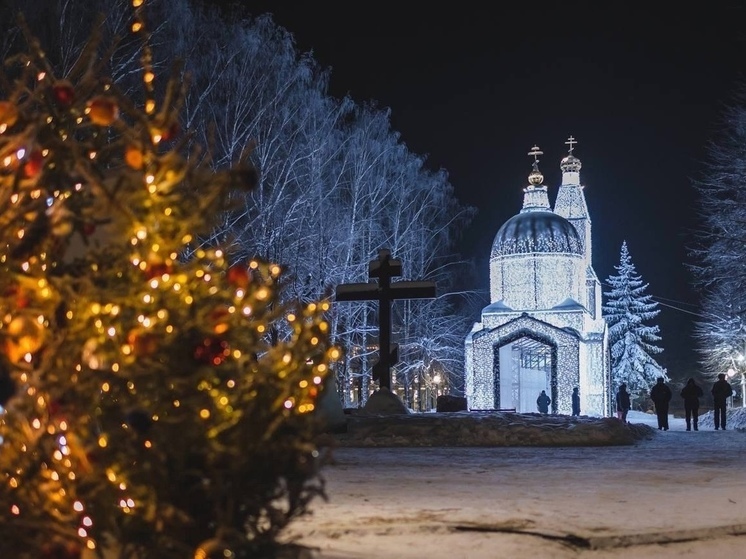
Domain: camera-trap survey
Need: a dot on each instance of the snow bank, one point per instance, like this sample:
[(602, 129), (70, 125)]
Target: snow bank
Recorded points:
[(487, 429), (735, 419)]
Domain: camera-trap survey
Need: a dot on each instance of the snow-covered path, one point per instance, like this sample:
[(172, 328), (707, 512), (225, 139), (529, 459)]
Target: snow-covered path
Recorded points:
[(589, 502)]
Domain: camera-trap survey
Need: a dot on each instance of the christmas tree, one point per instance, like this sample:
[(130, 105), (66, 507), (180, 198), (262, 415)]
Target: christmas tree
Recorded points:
[(627, 311), (156, 397)]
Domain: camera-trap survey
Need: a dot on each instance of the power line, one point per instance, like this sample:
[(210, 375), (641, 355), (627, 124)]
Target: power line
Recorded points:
[(660, 300)]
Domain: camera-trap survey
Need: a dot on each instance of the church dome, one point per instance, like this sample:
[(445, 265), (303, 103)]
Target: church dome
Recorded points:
[(536, 231), (570, 163)]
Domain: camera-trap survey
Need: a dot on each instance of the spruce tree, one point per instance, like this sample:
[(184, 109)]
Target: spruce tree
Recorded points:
[(628, 312), (144, 408)]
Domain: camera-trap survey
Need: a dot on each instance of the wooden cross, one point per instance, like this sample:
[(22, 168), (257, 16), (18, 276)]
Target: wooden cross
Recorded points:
[(385, 292)]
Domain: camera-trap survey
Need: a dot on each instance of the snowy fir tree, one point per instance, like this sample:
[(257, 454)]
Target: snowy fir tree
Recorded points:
[(145, 411), (627, 311)]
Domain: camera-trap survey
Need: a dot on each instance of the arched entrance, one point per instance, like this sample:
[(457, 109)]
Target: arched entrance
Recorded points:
[(524, 364)]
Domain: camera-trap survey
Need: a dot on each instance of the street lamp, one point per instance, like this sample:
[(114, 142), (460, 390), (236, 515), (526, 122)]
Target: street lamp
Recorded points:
[(436, 383), (731, 373)]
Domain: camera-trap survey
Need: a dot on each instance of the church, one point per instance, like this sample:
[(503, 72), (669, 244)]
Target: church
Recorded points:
[(543, 328)]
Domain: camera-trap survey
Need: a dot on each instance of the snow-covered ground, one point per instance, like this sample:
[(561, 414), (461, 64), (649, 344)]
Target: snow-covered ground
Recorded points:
[(674, 494), (735, 419)]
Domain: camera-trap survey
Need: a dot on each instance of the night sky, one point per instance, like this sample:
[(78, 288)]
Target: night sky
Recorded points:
[(474, 85)]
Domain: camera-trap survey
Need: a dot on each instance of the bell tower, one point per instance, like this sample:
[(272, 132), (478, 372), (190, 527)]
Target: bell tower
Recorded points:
[(571, 205)]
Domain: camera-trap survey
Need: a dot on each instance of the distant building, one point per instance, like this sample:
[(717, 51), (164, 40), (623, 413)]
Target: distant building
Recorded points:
[(543, 328)]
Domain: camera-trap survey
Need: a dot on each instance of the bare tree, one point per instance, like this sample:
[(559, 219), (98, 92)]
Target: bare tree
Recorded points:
[(719, 253), (336, 182), (336, 185)]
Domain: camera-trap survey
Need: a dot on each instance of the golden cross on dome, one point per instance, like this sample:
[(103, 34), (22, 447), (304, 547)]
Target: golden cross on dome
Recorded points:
[(570, 141), (536, 152)]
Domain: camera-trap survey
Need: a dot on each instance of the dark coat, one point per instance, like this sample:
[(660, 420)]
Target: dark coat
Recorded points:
[(691, 393), (622, 401), (721, 391), (575, 403), (660, 393), (542, 402)]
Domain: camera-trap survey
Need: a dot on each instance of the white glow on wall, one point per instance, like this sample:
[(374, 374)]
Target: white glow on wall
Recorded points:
[(543, 288)]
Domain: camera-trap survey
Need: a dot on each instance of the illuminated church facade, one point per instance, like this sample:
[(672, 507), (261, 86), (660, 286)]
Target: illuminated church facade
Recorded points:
[(543, 328)]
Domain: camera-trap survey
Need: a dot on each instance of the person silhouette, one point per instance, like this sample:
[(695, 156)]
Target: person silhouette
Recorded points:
[(691, 393), (543, 401), (622, 402), (721, 391), (661, 396), (575, 401)]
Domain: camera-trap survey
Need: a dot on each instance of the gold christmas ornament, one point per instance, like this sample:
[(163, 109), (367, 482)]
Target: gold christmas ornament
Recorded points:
[(96, 355), (215, 548), (102, 111), (133, 157), (25, 335)]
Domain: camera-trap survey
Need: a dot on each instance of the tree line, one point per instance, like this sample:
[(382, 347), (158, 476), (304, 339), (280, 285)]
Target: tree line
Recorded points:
[(336, 183)]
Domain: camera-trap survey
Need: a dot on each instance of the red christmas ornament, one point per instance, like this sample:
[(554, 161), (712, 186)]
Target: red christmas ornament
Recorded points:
[(170, 133), (143, 343), (64, 93), (19, 295), (238, 275), (157, 270), (33, 164), (89, 229), (54, 407)]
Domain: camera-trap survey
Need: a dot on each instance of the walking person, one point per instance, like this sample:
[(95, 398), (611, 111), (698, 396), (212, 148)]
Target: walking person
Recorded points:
[(721, 391), (622, 402), (691, 393), (543, 401), (661, 396), (575, 401)]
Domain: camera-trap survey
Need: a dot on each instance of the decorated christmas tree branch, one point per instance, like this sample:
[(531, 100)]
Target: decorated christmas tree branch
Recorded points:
[(147, 408)]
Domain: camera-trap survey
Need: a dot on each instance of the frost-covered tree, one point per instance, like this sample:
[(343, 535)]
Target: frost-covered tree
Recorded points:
[(337, 183), (628, 312), (719, 263)]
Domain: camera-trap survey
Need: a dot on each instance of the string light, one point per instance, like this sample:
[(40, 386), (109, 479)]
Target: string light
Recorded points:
[(542, 287), (112, 317)]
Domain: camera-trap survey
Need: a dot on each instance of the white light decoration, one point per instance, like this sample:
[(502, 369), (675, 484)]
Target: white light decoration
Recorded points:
[(543, 328)]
